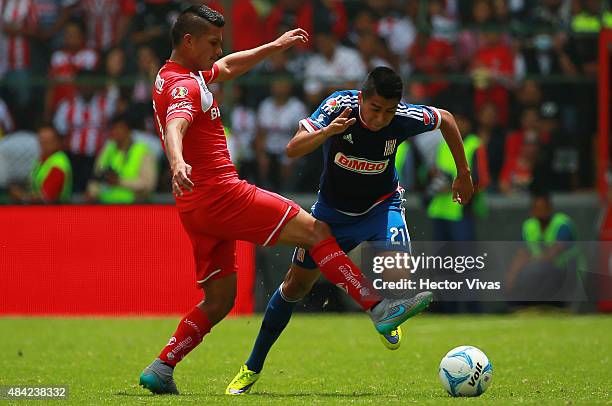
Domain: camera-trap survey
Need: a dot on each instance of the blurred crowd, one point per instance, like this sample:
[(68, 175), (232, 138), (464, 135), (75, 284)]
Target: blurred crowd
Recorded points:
[(76, 78)]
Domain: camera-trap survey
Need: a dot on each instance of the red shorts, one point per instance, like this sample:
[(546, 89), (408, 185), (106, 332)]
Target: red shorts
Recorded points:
[(239, 211)]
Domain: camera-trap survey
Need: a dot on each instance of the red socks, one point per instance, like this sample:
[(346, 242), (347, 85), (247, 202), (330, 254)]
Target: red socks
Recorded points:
[(333, 263), (189, 333), (341, 271)]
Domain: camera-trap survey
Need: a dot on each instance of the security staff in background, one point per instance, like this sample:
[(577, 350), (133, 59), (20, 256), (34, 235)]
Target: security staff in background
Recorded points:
[(125, 171), (451, 221), (51, 176), (550, 264)]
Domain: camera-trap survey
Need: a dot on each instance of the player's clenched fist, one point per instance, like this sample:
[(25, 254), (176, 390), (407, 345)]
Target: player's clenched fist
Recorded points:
[(291, 38), (463, 188), (340, 123), (181, 172)]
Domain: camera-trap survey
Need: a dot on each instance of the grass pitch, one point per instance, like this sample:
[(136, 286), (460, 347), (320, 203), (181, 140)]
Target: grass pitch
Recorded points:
[(331, 359)]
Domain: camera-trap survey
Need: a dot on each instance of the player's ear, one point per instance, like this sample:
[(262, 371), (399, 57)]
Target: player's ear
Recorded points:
[(188, 40)]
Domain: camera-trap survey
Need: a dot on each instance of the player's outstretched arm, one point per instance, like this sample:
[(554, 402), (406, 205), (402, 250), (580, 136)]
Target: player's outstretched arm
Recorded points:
[(304, 142), (181, 171), (241, 62), (463, 188)]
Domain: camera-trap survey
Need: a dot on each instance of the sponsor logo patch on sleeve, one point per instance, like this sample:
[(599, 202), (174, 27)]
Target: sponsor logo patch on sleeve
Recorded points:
[(159, 84), (179, 92), (333, 105), (426, 117)]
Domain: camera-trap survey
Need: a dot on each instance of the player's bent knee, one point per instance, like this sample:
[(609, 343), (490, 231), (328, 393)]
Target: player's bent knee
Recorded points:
[(321, 231), (304, 231)]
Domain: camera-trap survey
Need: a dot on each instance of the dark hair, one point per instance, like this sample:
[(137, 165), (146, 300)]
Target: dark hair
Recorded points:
[(80, 24), (86, 73), (89, 77), (384, 82), (44, 125), (283, 75), (193, 21), (130, 118), (538, 191)]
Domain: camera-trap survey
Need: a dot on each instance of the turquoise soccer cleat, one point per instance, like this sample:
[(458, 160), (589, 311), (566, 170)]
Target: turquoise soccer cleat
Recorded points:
[(157, 378), (390, 313)]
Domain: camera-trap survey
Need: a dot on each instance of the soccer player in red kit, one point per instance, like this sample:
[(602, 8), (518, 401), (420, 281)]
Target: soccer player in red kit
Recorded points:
[(217, 208)]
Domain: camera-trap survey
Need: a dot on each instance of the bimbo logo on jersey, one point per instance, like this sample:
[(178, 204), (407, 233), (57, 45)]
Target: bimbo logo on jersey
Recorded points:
[(360, 165)]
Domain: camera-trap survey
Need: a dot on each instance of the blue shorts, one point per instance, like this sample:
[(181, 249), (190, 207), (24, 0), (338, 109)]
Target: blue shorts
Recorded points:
[(385, 222)]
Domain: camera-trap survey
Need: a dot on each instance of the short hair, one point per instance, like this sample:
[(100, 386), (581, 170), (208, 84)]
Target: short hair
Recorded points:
[(283, 75), (539, 192), (88, 76), (46, 125), (80, 24), (129, 118), (120, 118), (384, 82), (194, 21)]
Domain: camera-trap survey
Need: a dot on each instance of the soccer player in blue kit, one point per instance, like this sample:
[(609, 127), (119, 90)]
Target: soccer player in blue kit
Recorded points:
[(359, 195)]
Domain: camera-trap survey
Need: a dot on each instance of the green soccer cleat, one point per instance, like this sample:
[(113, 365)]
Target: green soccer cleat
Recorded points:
[(390, 313), (242, 382), (393, 340), (157, 378)]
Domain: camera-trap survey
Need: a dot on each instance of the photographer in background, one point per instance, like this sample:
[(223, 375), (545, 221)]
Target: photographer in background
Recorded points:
[(125, 171)]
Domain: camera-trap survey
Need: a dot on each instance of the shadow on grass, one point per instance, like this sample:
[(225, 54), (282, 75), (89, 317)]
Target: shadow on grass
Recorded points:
[(323, 395), (258, 395)]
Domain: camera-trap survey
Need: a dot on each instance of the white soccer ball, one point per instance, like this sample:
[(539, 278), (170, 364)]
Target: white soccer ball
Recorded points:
[(465, 371)]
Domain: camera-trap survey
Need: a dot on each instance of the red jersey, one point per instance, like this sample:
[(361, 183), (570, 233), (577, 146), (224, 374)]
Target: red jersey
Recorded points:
[(180, 93), (102, 18), (498, 59), (64, 67), (15, 49)]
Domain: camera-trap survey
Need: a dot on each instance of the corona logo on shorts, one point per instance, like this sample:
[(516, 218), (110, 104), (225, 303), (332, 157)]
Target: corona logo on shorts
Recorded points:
[(360, 165)]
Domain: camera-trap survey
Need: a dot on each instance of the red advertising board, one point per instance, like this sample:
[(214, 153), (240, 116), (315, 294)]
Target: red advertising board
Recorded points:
[(103, 260)]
